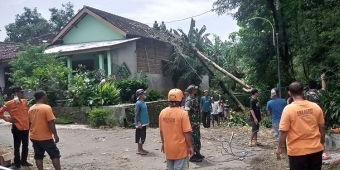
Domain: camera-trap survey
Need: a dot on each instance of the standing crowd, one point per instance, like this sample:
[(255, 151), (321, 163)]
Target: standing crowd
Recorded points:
[(298, 125), (35, 123)]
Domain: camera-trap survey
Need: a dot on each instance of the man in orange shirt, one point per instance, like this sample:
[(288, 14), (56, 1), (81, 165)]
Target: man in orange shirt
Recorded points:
[(175, 132), (17, 110), (42, 131), (302, 127)]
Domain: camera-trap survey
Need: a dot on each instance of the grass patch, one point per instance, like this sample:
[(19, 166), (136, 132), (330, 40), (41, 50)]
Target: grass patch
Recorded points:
[(63, 120)]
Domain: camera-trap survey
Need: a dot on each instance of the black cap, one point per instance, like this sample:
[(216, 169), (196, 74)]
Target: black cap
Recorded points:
[(253, 91), (17, 89)]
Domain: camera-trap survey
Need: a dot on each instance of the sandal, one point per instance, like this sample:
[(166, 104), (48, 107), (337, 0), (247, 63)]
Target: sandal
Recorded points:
[(326, 156), (250, 144), (141, 153)]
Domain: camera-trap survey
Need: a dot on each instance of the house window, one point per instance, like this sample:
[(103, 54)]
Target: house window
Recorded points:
[(88, 64)]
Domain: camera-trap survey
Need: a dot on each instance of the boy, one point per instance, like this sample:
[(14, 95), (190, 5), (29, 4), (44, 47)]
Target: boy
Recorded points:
[(175, 132), (255, 116)]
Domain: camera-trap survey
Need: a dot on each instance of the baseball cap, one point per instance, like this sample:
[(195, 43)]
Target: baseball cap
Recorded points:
[(140, 92), (272, 93)]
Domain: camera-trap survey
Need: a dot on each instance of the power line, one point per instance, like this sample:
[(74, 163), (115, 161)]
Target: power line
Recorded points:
[(177, 20), (193, 16)]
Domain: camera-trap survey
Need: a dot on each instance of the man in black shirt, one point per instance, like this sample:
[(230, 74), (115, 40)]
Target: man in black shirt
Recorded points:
[(255, 116)]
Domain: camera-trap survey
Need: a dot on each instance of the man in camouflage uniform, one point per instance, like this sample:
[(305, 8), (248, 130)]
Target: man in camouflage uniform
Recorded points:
[(313, 94), (192, 105)]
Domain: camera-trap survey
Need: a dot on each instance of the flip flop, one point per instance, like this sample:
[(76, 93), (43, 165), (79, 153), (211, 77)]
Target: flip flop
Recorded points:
[(141, 153), (145, 151), (251, 144), (326, 156)]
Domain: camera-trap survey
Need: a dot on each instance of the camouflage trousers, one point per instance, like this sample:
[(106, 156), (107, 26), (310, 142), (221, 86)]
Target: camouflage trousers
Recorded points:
[(196, 138)]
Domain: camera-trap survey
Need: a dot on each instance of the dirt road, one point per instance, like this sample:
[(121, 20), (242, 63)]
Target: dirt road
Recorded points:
[(114, 149)]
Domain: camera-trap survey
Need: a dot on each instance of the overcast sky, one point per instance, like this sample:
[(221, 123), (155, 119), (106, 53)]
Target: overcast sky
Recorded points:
[(145, 11)]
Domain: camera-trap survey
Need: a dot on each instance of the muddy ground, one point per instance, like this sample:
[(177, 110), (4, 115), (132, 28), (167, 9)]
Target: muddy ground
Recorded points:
[(114, 149)]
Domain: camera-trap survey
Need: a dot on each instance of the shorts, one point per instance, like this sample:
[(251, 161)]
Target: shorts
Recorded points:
[(45, 145), (141, 135), (221, 114), (179, 164), (255, 127), (306, 162)]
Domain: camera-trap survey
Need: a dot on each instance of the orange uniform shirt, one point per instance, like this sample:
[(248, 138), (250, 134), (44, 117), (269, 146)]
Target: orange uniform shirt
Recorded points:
[(302, 119), (39, 116), (173, 123), (18, 111)]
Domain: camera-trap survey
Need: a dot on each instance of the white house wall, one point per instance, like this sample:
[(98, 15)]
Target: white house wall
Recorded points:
[(126, 54)]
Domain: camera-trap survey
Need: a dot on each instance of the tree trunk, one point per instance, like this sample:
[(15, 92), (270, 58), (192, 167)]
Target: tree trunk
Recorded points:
[(231, 93), (281, 28), (217, 67)]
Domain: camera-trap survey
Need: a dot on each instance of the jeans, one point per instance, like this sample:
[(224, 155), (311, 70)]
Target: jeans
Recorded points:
[(206, 119), (20, 137), (275, 126)]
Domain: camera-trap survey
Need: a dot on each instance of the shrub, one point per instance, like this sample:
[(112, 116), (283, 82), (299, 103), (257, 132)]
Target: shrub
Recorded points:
[(128, 88), (107, 94), (83, 87), (237, 119), (102, 117), (266, 121), (63, 120), (153, 95), (97, 117), (331, 108), (33, 69), (111, 120), (130, 117)]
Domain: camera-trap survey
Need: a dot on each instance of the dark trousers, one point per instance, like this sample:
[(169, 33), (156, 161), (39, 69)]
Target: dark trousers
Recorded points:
[(306, 162), (206, 119), (20, 137)]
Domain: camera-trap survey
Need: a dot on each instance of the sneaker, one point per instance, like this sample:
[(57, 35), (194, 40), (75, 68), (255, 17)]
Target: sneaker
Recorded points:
[(26, 164)]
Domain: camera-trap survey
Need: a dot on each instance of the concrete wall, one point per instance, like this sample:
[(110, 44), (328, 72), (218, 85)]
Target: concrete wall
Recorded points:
[(2, 75), (89, 29), (126, 53), (123, 112), (160, 83)]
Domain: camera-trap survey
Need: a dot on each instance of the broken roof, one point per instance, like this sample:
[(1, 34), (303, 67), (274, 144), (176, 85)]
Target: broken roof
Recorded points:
[(8, 50)]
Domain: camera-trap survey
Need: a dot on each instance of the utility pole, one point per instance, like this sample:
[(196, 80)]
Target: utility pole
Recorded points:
[(275, 37)]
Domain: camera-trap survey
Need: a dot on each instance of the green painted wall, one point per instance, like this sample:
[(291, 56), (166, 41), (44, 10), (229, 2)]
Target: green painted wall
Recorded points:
[(90, 29)]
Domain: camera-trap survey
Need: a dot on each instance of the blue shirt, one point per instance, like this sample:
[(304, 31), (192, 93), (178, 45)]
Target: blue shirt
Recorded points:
[(141, 113), (206, 103), (275, 106)]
